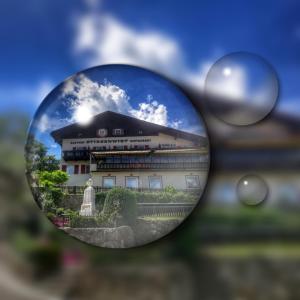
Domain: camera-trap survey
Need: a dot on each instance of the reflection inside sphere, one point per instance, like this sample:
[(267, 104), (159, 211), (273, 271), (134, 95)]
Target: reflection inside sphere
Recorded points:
[(110, 156)]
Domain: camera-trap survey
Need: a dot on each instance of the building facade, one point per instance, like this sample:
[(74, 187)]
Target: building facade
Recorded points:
[(118, 150)]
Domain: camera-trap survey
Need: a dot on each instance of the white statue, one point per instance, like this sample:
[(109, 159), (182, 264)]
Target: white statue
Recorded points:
[(88, 205)]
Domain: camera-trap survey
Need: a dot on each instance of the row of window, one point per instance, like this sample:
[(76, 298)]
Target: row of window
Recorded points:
[(116, 132), (101, 148), (76, 169), (102, 132), (155, 182)]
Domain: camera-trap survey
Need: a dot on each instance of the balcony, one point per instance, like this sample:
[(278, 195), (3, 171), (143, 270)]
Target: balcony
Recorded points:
[(76, 155), (152, 162), (152, 166)]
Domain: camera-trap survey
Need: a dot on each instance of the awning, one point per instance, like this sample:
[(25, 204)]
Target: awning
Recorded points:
[(145, 152), (182, 151)]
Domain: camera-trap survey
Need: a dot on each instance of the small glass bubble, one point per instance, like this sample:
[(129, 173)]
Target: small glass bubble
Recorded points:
[(252, 190), (242, 88)]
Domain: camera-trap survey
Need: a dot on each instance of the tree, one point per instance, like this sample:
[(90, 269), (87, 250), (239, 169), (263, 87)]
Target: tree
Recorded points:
[(37, 157), (52, 178), (50, 191)]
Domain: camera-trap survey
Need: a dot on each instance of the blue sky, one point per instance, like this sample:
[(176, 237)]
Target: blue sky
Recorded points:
[(43, 42)]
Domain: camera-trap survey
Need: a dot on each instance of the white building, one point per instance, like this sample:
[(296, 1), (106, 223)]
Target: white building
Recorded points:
[(118, 150)]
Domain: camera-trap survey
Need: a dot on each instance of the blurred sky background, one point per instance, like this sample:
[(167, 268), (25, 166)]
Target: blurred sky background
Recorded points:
[(43, 42)]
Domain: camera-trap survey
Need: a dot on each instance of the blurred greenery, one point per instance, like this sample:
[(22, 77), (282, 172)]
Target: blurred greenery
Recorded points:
[(26, 231), (248, 217)]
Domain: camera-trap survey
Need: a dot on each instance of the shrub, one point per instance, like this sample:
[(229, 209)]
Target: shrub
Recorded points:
[(121, 202), (169, 195), (170, 190), (100, 200), (50, 215)]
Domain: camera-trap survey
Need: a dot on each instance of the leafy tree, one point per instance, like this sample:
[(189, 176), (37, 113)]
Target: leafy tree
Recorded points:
[(52, 178), (37, 157), (51, 193)]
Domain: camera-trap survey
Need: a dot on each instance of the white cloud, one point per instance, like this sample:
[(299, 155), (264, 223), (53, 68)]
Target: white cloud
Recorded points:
[(152, 112), (46, 123), (86, 98), (106, 40)]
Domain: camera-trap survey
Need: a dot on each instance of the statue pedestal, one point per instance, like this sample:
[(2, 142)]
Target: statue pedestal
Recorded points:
[(87, 210), (88, 205)]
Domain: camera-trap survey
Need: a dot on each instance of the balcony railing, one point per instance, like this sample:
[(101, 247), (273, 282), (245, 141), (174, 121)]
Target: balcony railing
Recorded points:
[(153, 166), (76, 155)]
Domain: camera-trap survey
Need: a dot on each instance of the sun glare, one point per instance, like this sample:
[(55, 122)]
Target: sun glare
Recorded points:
[(83, 115), (227, 72)]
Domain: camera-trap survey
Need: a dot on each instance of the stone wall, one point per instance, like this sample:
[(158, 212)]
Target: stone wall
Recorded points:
[(119, 237), (147, 231), (143, 232)]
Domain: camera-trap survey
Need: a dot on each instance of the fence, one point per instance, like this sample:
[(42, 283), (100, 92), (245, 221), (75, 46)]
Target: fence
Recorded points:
[(77, 190), (164, 209)]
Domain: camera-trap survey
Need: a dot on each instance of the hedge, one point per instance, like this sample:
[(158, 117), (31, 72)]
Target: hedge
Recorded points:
[(121, 203)]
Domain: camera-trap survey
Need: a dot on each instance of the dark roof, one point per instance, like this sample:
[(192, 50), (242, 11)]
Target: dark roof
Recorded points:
[(111, 120)]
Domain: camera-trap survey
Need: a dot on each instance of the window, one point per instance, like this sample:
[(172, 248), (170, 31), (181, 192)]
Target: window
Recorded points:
[(64, 168), (155, 182), (87, 169), (140, 132), (76, 169), (109, 182), (132, 182), (192, 181), (83, 170), (70, 169), (102, 132), (118, 131)]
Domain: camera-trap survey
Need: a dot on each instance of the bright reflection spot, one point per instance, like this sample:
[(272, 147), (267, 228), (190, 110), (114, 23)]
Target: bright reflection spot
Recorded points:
[(226, 72), (83, 115), (245, 182)]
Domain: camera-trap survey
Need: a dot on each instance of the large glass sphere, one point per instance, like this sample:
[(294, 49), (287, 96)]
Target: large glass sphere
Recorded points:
[(117, 156)]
